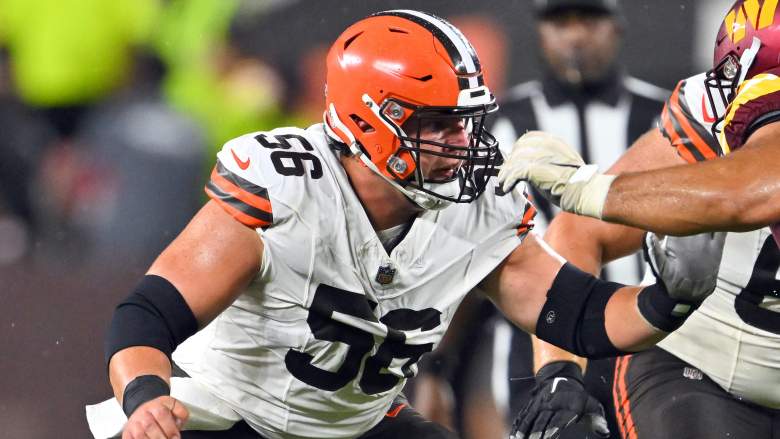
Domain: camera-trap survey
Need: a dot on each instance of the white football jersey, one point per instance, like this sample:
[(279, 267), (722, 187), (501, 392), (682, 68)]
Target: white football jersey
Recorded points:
[(734, 336), (687, 120), (325, 336)]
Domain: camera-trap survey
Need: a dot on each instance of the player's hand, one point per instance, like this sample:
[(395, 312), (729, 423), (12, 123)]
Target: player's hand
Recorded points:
[(686, 265), (559, 173), (558, 400), (160, 418)]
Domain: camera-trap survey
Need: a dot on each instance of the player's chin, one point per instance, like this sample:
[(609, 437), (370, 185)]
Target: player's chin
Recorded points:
[(441, 177), (444, 174)]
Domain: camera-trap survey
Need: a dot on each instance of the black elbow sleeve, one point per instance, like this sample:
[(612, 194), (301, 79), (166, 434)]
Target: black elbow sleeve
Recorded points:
[(155, 314), (573, 315)]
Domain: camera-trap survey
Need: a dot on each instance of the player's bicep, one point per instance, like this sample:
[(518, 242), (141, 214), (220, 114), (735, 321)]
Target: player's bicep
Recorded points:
[(519, 285), (211, 261)]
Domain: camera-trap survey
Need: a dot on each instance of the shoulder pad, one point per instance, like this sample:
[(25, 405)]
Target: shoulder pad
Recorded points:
[(756, 97), (686, 121), (250, 166)]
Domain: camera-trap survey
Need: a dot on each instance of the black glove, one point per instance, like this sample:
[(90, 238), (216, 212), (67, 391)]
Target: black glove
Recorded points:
[(558, 400)]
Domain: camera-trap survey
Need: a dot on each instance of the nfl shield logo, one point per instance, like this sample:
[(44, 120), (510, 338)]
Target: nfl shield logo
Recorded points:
[(385, 274), (693, 374)]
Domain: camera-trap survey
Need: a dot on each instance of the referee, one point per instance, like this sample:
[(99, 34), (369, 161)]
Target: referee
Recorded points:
[(586, 98)]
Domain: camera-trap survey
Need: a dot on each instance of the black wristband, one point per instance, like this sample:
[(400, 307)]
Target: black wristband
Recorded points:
[(567, 369), (662, 311), (142, 389)]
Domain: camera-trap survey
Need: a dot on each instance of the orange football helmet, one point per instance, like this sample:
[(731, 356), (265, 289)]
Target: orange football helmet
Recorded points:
[(401, 65)]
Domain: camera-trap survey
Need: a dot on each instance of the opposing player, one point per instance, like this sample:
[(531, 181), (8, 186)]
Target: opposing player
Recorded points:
[(330, 259), (737, 192), (711, 377)]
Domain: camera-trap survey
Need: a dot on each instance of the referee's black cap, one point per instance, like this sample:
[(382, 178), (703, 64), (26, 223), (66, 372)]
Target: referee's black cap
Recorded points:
[(547, 8)]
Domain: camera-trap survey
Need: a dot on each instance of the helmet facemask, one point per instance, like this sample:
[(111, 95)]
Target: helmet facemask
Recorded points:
[(477, 159), (721, 83), (725, 78)]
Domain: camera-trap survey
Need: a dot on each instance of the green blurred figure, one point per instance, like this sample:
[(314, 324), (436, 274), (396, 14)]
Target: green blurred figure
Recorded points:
[(227, 91), (71, 52)]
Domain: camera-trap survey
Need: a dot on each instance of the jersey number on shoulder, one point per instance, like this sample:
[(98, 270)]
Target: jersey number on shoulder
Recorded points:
[(291, 162), (762, 283), (330, 311)]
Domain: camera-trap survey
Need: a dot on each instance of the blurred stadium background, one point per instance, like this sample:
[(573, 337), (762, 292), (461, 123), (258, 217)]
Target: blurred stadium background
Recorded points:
[(111, 113)]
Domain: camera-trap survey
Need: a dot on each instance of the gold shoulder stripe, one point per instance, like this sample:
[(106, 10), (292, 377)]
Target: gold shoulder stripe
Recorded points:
[(757, 86)]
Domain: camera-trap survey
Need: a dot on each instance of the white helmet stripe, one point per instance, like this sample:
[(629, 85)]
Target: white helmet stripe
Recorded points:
[(460, 50)]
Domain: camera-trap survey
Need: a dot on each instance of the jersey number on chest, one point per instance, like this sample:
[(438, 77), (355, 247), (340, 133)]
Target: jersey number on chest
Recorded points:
[(336, 315)]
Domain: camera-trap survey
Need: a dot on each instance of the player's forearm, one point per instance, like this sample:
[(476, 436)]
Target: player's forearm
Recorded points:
[(605, 328), (678, 206), (597, 319), (587, 243), (682, 207), (135, 361), (738, 192), (584, 252), (545, 353), (626, 327)]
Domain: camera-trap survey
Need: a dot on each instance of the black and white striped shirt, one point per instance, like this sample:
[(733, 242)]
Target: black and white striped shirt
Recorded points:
[(600, 122)]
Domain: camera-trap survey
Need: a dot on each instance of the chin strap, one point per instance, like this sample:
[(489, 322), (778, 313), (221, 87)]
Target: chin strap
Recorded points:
[(747, 58), (425, 201)]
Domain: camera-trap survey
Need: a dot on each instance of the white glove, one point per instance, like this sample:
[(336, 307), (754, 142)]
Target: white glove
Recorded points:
[(559, 173), (687, 265)]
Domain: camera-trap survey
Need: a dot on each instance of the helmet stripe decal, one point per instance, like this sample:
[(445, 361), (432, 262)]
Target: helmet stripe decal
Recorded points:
[(461, 52)]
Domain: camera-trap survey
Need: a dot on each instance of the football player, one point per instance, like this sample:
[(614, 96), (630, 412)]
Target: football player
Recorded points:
[(330, 259), (737, 192), (711, 377)]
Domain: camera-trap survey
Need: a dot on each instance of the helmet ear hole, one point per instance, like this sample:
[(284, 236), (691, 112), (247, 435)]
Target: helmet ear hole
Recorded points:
[(362, 124)]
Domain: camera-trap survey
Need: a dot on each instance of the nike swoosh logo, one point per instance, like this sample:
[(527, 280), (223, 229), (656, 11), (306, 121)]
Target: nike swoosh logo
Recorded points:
[(704, 113), (555, 383), (243, 164)]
